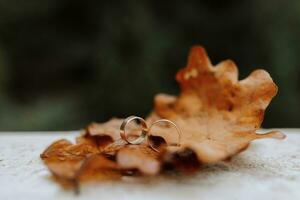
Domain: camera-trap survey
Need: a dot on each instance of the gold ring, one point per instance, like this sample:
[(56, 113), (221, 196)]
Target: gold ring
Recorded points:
[(143, 135), (170, 122)]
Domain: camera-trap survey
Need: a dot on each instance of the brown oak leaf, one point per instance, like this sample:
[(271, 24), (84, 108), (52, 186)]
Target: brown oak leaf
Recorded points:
[(69, 163), (218, 114)]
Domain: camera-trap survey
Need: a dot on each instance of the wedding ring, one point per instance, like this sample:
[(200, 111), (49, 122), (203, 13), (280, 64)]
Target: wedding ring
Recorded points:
[(165, 121), (143, 134)]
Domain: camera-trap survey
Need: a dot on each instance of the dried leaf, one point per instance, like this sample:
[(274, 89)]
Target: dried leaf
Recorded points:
[(218, 114), (63, 160), (68, 162)]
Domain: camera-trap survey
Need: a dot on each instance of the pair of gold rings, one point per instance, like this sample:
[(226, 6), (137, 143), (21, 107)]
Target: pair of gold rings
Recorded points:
[(145, 130)]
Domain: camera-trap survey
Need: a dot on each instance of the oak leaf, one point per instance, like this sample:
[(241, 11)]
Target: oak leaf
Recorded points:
[(218, 115)]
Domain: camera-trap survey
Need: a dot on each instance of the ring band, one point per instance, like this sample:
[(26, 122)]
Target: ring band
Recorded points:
[(144, 133), (170, 122)]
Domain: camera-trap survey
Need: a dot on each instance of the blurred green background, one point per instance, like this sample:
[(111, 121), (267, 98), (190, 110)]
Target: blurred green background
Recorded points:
[(64, 63)]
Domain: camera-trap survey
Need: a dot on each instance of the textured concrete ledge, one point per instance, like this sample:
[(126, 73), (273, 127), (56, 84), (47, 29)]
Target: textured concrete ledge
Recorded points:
[(269, 169)]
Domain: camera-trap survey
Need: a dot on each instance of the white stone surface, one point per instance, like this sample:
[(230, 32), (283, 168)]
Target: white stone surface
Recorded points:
[(269, 169)]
